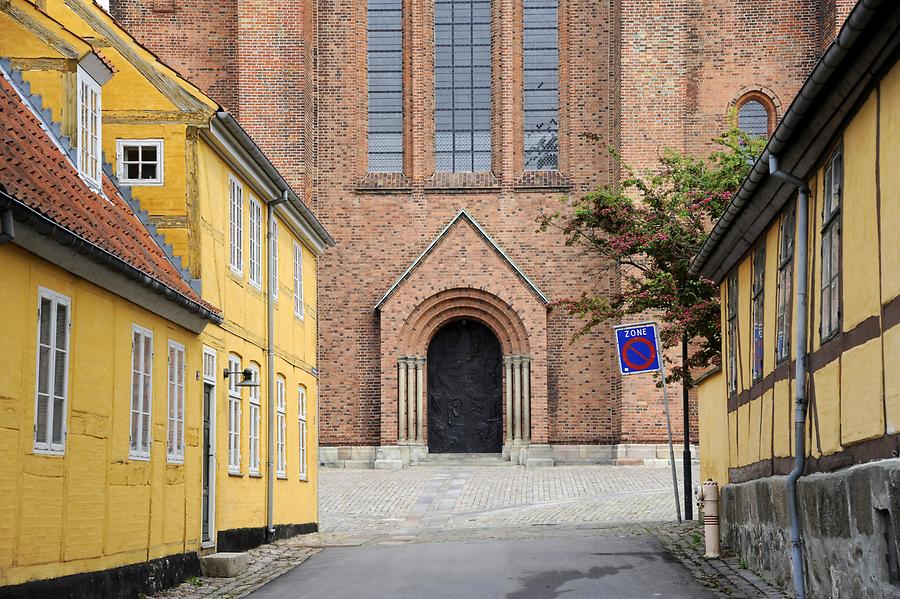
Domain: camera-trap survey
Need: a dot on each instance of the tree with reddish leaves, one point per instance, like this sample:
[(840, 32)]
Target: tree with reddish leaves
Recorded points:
[(648, 228)]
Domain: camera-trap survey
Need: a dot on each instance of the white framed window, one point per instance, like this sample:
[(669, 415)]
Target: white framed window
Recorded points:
[(301, 411), (784, 293), (254, 421), (141, 392), (90, 129), (274, 277), (731, 332), (831, 248), (255, 261), (280, 426), (234, 415), (139, 161), (236, 224), (298, 280), (52, 384), (175, 429)]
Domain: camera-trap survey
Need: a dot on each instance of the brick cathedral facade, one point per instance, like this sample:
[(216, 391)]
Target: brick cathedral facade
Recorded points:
[(428, 245)]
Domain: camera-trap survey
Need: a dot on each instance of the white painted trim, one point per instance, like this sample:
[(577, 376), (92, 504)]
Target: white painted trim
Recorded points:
[(160, 165), (84, 79), (137, 454), (236, 268), (56, 298), (211, 464), (176, 457)]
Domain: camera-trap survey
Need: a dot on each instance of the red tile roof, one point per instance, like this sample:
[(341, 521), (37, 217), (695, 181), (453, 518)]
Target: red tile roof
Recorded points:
[(35, 172)]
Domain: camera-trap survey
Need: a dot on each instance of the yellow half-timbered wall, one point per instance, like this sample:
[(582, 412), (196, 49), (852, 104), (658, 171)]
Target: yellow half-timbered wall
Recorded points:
[(92, 507), (855, 380)]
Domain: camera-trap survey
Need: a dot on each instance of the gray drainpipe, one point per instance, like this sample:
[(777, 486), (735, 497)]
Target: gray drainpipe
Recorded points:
[(800, 374), (270, 362)]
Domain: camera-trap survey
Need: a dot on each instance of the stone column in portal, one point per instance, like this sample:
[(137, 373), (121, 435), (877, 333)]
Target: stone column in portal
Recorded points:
[(507, 368), (526, 400), (411, 399), (401, 399), (420, 400), (517, 399)]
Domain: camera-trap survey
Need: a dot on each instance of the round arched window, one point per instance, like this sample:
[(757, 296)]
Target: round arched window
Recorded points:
[(753, 118)]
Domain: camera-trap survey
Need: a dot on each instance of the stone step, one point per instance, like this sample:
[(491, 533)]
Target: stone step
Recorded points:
[(464, 460), (223, 564)]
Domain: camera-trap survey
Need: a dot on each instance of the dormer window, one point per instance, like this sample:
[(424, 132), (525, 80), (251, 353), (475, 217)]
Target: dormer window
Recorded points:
[(90, 159)]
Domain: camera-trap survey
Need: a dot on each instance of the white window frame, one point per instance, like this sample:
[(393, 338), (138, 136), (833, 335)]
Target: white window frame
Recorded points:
[(274, 278), (254, 256), (175, 422), (832, 248), (210, 377), (139, 449), (281, 427), (303, 430), (122, 172), (46, 445), (234, 415), (89, 140), (236, 225), (255, 410), (299, 311)]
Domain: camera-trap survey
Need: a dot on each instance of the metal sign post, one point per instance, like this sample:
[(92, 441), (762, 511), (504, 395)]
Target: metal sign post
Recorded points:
[(638, 350)]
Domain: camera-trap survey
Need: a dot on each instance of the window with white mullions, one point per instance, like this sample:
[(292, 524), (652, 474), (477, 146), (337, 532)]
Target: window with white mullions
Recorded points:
[(301, 411), (140, 161), (731, 290), (141, 392), (385, 79), (254, 421), (757, 303), (541, 84), (281, 426), (236, 225), (831, 247), (90, 130), (274, 279), (255, 257), (462, 85), (298, 280), (785, 286), (175, 429), (234, 415), (52, 384)]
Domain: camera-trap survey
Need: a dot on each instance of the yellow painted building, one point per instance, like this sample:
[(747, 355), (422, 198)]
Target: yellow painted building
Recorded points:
[(841, 140), (99, 441), (214, 202)]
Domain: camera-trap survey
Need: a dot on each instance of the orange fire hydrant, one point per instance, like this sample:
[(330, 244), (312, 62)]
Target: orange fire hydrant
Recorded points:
[(708, 494)]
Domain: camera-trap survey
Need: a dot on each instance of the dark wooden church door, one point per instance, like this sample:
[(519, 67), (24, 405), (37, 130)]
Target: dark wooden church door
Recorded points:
[(464, 390)]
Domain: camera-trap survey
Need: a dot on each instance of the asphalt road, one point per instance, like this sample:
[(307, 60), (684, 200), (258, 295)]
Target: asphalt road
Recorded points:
[(595, 568)]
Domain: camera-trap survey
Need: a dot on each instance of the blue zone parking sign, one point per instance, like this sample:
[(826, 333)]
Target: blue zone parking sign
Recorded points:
[(637, 349)]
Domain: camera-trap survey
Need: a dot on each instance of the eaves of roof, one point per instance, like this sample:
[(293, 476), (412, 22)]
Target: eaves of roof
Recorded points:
[(829, 96)]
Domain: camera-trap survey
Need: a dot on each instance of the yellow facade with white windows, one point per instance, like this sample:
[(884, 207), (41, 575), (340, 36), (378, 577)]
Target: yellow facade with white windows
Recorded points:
[(198, 182), (853, 290)]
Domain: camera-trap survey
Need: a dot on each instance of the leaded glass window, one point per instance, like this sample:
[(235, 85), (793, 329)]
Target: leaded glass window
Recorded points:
[(385, 52), (753, 118), (541, 84), (462, 82)]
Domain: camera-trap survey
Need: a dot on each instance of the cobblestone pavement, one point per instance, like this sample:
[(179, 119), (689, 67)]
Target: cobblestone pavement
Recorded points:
[(441, 503)]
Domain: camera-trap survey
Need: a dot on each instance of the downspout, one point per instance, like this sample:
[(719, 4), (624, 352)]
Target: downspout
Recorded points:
[(270, 364), (800, 332)]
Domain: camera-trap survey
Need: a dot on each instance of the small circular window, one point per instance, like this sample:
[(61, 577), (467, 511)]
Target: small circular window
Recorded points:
[(753, 118)]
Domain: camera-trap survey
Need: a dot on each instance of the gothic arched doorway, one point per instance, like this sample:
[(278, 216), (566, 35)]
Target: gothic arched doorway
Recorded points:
[(465, 411)]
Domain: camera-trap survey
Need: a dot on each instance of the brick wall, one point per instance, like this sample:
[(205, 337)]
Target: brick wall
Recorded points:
[(642, 74)]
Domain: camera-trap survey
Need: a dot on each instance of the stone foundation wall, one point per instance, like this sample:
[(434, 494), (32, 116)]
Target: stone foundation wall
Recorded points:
[(850, 521)]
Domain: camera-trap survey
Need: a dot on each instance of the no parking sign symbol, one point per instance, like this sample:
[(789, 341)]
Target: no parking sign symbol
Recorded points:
[(637, 348)]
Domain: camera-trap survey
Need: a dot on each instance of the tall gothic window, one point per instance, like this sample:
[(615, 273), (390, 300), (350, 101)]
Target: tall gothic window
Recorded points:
[(385, 38), (462, 81), (541, 84)]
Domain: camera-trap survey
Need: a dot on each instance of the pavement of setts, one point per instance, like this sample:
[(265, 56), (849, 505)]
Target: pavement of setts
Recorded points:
[(487, 531)]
